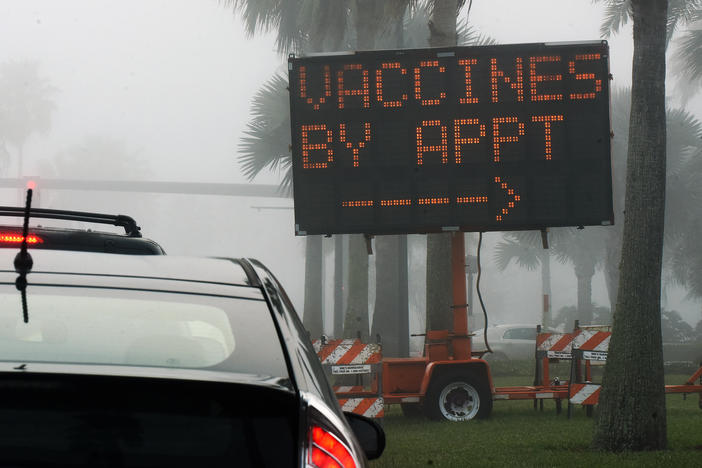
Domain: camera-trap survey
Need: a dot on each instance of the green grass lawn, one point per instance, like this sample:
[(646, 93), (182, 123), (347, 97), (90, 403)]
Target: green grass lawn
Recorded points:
[(517, 435)]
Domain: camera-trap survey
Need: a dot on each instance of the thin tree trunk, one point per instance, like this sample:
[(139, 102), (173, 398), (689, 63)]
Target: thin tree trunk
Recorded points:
[(312, 318), (584, 271), (611, 268), (356, 320), (632, 414), (545, 260), (368, 21), (339, 253), (442, 27), (387, 290), (439, 284)]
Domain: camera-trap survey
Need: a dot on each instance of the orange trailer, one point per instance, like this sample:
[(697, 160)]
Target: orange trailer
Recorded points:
[(452, 382)]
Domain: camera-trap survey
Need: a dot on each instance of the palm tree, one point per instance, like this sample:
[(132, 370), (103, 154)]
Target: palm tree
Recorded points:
[(442, 32), (525, 248), (26, 105), (308, 25), (265, 145), (391, 312), (681, 13), (684, 257), (632, 414), (683, 191), (583, 249)]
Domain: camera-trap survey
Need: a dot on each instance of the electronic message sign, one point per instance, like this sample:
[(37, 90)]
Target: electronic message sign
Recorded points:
[(489, 138)]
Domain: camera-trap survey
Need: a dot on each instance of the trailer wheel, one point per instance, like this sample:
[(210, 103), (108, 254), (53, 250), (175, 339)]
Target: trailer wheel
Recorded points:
[(458, 397)]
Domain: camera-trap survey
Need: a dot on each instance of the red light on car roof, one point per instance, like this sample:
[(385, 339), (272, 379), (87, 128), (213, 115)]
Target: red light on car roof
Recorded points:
[(12, 238), (329, 452)]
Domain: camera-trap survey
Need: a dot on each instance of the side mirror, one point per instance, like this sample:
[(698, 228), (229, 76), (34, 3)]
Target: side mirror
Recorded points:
[(369, 434)]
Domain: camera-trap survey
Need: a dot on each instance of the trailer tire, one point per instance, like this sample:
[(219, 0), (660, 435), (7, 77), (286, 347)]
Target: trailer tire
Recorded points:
[(458, 397)]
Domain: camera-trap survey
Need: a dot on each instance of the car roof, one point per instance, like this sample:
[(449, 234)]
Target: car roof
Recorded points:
[(187, 269), (513, 325)]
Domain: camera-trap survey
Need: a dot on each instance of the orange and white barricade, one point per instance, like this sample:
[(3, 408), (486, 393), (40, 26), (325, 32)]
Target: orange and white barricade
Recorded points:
[(352, 357), (590, 346), (585, 393)]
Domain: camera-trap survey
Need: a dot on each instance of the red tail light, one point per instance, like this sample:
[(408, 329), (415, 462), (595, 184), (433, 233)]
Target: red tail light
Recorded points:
[(12, 238), (327, 451)]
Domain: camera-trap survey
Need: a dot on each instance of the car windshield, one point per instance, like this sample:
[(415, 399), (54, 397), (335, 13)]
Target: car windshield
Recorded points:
[(78, 325)]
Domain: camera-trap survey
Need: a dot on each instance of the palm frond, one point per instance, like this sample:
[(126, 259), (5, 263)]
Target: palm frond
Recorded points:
[(680, 12), (617, 14), (467, 35), (258, 16), (266, 140), (687, 60), (417, 30), (683, 190), (524, 255)]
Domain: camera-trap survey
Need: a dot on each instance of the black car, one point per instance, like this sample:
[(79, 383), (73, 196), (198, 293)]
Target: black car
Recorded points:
[(154, 360)]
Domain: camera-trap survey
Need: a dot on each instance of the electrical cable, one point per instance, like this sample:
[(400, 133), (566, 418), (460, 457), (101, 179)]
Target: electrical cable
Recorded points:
[(480, 296)]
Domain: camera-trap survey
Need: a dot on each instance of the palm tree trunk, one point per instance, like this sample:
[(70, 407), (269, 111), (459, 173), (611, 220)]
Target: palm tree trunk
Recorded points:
[(611, 268), (339, 254), (545, 261), (632, 414), (356, 320), (368, 20), (442, 27), (390, 308), (312, 317), (584, 271)]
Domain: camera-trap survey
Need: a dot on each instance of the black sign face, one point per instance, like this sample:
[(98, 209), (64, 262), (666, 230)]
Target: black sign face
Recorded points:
[(493, 138)]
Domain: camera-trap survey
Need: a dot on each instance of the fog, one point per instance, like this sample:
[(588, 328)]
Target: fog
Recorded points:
[(160, 90)]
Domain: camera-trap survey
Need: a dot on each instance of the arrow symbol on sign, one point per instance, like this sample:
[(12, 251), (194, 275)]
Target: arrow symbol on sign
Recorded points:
[(510, 193)]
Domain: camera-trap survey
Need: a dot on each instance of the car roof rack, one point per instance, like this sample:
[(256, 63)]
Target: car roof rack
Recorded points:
[(130, 226)]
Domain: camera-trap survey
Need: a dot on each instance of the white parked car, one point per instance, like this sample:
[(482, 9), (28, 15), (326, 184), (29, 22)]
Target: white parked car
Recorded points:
[(510, 341)]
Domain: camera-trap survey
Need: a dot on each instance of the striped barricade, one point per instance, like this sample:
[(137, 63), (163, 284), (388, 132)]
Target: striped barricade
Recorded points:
[(350, 353), (584, 394), (561, 345), (550, 347), (370, 407), (590, 342), (352, 357), (590, 347), (554, 345)]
